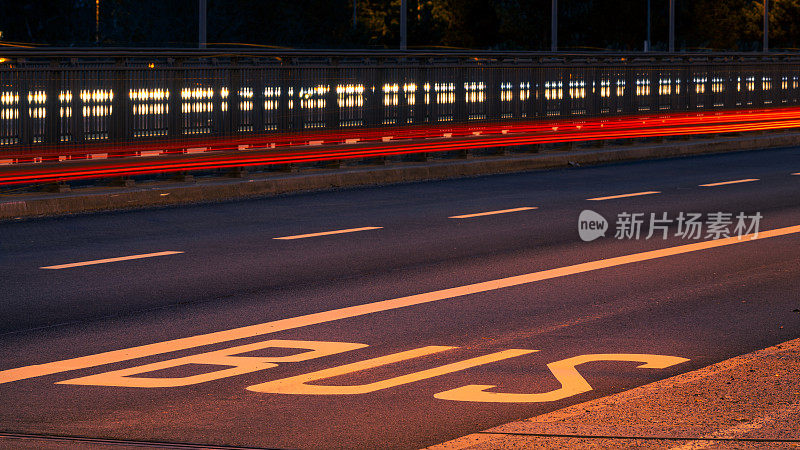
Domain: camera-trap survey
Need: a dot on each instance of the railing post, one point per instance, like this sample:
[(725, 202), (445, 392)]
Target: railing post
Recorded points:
[(52, 133), (284, 113), (25, 135), (371, 97), (493, 92), (296, 81), (433, 106), (730, 88), (258, 84), (118, 132), (674, 98), (460, 110), (175, 85), (759, 84), (566, 99), (538, 92), (380, 79), (331, 99), (686, 87), (216, 79), (402, 102), (516, 93), (596, 90), (420, 108), (630, 104), (654, 78), (235, 98), (77, 109)]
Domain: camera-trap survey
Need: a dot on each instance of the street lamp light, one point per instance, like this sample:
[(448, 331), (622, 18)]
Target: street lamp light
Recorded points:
[(97, 21)]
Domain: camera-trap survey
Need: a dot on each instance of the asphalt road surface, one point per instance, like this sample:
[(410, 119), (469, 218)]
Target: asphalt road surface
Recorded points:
[(198, 325)]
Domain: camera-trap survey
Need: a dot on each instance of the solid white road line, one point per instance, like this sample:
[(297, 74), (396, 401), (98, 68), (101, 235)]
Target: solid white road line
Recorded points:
[(723, 183), (325, 233), (250, 331), (109, 260), (489, 213), (635, 194)]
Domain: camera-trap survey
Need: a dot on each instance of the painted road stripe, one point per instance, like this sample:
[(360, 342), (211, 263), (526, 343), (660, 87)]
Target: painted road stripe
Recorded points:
[(109, 260), (723, 183), (489, 213), (635, 194), (325, 233), (83, 362)]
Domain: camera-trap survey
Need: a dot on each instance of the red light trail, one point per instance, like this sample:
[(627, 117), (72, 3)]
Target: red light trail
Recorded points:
[(293, 148)]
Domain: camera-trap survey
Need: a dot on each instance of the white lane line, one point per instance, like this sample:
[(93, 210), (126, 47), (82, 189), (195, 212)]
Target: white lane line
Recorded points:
[(635, 194), (325, 233), (723, 183), (83, 362), (109, 260), (489, 213)]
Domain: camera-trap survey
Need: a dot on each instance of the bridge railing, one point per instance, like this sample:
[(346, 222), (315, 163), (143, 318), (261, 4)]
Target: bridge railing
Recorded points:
[(71, 101)]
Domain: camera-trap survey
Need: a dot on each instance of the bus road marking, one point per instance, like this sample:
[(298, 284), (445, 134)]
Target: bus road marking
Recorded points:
[(114, 356)]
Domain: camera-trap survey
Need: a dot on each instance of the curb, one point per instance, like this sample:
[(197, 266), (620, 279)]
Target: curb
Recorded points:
[(744, 401), (108, 199)]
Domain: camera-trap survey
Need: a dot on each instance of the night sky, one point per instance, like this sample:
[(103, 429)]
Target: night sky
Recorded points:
[(472, 24)]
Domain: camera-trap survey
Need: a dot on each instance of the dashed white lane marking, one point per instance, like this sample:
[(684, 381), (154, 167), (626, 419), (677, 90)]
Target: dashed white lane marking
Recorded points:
[(109, 260), (635, 194), (83, 362), (326, 233), (489, 213), (723, 183)]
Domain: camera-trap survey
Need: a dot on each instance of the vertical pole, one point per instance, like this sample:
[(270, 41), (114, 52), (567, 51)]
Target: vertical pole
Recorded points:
[(554, 27), (203, 6), (671, 26), (766, 26), (403, 25), (647, 43)]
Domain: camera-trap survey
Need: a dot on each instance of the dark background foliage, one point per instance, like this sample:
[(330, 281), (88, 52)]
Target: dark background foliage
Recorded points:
[(478, 24)]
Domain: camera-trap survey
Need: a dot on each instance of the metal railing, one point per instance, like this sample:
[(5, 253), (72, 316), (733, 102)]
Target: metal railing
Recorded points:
[(68, 101)]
